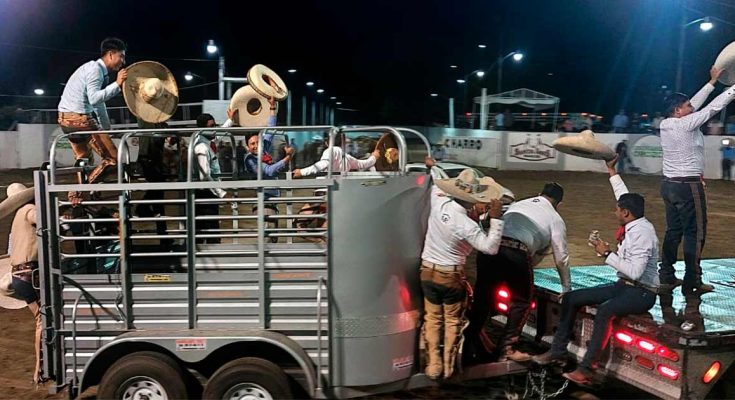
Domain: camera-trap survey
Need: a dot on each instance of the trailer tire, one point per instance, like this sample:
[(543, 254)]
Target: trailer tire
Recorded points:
[(255, 376), (144, 371)]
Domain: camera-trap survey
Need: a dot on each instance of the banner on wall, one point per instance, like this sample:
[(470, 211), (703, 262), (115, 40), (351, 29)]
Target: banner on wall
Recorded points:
[(647, 154), (480, 152), (534, 147)]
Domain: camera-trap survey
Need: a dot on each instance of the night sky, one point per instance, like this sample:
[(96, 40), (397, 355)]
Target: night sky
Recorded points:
[(380, 57)]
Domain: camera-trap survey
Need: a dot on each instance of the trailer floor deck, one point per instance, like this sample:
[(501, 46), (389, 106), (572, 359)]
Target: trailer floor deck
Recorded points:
[(710, 313)]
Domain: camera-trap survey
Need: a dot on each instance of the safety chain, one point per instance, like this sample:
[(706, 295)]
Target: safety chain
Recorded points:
[(540, 389)]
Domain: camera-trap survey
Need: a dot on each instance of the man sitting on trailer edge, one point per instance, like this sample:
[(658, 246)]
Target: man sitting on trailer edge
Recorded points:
[(634, 293), (453, 232)]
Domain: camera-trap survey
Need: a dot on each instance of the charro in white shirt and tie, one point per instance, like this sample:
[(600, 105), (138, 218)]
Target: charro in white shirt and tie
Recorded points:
[(683, 188)]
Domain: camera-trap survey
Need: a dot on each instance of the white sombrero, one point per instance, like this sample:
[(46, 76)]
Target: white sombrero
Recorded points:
[(256, 79), (584, 145), (18, 195), (252, 108), (726, 62), (6, 300), (151, 92), (467, 186)]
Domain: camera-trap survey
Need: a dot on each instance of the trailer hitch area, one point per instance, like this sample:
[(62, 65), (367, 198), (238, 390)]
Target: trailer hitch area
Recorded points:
[(536, 386)]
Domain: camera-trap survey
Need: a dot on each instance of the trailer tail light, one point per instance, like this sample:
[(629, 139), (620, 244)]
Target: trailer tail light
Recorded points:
[(665, 352), (668, 372), (624, 337), (503, 307), (420, 180), (646, 346), (533, 305), (503, 293), (712, 372), (645, 362)]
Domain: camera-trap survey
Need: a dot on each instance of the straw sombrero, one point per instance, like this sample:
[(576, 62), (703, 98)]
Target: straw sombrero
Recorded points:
[(151, 92), (6, 300), (256, 79), (467, 186), (584, 145), (18, 195), (252, 108), (726, 62)]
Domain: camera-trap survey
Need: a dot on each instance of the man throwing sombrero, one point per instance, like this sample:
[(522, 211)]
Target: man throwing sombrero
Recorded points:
[(82, 107), (452, 234), (682, 188), (23, 260)]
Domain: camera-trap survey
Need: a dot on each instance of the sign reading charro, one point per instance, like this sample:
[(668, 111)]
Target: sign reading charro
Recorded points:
[(535, 147)]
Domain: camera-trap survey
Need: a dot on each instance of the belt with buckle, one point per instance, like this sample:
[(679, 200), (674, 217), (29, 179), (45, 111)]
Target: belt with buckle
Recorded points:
[(684, 179), (513, 244), (442, 268), (638, 284)]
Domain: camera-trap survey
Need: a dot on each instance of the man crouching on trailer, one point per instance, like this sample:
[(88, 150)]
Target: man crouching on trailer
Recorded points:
[(634, 293), (452, 234)]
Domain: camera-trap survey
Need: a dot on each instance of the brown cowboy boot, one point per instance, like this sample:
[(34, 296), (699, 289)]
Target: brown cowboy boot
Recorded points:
[(433, 321), (102, 145), (454, 324)]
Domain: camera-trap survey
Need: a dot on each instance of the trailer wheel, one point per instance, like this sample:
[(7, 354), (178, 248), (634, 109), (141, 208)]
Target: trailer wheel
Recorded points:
[(144, 374), (248, 378)]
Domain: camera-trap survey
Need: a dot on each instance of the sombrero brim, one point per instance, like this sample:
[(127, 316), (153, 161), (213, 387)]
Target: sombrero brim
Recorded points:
[(584, 145), (259, 105), (493, 190), (256, 79), (160, 109), (8, 302), (14, 202), (726, 62)]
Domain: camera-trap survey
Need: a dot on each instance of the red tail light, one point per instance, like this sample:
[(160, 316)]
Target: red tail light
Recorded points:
[(668, 353), (533, 305), (503, 293), (646, 346), (668, 372), (712, 372), (502, 307), (624, 337), (645, 362)]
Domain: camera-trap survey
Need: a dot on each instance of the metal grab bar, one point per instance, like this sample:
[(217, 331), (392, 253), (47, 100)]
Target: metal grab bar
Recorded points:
[(421, 136), (323, 282)]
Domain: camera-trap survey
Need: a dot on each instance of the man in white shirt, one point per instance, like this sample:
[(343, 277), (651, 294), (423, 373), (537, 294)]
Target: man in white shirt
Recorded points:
[(634, 293), (82, 107), (532, 226), (682, 188), (340, 162), (453, 232)]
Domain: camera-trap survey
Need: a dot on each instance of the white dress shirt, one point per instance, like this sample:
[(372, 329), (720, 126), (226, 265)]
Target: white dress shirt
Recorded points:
[(682, 141), (637, 255), (85, 92), (337, 164), (452, 234), (535, 223)]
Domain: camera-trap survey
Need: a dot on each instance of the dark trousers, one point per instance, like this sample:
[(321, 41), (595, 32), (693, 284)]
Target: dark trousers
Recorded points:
[(726, 168), (203, 210), (615, 300), (153, 171), (686, 216), (512, 267)]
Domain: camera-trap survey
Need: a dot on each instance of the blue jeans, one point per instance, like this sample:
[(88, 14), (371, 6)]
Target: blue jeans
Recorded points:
[(686, 216), (615, 300)]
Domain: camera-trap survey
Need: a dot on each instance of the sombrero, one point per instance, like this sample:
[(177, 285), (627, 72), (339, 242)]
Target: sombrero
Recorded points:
[(389, 153), (256, 78), (6, 300), (18, 195), (469, 187), (584, 145), (726, 62), (151, 92), (252, 108)]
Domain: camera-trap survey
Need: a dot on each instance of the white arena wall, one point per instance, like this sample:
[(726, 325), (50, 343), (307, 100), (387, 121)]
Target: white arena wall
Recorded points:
[(28, 147)]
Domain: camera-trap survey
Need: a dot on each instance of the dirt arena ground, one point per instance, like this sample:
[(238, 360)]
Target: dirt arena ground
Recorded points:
[(587, 205)]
